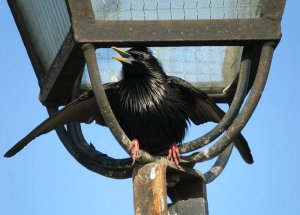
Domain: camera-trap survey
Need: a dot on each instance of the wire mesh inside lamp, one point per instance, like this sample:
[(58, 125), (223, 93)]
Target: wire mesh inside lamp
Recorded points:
[(210, 68), (175, 9)]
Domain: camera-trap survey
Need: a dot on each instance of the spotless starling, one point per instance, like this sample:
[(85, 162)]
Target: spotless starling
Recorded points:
[(152, 108)]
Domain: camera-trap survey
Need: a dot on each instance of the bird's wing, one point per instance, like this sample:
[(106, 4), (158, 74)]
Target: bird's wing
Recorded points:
[(83, 109), (202, 109)]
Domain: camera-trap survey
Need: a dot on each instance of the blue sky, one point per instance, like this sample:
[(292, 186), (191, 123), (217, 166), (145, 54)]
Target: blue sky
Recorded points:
[(45, 179)]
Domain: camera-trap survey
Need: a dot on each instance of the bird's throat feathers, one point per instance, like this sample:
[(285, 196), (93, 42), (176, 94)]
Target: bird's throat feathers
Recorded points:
[(142, 87)]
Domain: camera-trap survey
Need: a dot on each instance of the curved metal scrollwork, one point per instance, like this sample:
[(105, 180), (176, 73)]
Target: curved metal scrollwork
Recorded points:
[(230, 126), (246, 112), (233, 110), (88, 156)]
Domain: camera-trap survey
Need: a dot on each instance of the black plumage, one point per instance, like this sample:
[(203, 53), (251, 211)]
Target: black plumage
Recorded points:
[(150, 106)]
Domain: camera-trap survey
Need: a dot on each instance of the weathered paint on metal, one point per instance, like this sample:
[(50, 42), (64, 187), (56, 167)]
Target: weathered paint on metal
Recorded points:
[(58, 82), (177, 32), (189, 207), (173, 32), (150, 189), (152, 182)]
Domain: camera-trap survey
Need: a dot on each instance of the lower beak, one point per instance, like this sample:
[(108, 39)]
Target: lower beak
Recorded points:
[(121, 59)]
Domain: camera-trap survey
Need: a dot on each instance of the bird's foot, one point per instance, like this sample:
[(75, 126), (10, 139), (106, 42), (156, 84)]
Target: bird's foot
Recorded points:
[(136, 149), (173, 154)]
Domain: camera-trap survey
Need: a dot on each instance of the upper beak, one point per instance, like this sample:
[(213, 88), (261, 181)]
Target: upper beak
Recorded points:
[(124, 55)]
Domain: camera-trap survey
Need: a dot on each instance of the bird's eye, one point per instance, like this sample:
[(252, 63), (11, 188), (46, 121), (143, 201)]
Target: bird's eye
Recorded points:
[(140, 57)]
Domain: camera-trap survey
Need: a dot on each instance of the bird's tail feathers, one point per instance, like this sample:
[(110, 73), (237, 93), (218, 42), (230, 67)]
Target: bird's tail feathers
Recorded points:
[(242, 146), (215, 113)]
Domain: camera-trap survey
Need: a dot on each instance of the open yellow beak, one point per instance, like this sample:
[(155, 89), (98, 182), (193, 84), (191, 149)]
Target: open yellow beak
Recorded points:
[(124, 55)]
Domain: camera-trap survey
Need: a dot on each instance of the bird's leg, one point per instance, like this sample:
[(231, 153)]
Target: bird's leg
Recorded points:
[(134, 144), (173, 154)]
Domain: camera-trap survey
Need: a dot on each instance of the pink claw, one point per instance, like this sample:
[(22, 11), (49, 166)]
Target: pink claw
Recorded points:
[(134, 144), (173, 154)]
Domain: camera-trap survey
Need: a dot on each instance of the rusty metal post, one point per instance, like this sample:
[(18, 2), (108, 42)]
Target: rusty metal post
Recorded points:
[(150, 189), (154, 181)]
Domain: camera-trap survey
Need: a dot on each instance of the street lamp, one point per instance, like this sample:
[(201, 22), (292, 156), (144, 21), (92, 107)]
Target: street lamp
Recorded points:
[(223, 47)]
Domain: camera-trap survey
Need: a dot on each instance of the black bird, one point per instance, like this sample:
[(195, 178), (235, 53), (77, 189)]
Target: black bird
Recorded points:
[(153, 109)]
